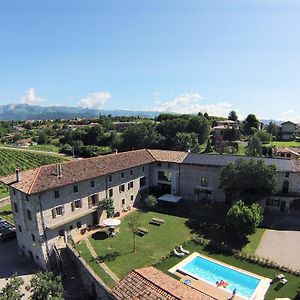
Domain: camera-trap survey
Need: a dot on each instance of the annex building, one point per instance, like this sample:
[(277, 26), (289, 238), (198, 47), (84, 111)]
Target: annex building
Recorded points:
[(53, 201)]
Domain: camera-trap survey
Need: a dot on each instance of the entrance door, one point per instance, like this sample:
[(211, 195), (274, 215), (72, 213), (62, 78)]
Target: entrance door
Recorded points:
[(282, 205)]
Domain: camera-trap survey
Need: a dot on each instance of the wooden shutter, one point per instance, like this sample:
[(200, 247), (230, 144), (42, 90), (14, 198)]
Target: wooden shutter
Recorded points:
[(89, 201), (72, 206), (53, 213), (80, 201), (62, 210), (97, 199)]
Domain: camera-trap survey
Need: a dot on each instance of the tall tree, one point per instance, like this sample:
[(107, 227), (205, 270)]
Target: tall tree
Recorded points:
[(11, 291), (42, 137), (133, 222), (185, 141), (251, 124), (233, 116), (232, 134), (243, 219), (249, 179), (254, 147), (263, 136), (44, 285), (273, 129)]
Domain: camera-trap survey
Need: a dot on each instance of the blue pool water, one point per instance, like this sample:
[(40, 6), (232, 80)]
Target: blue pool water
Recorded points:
[(212, 272)]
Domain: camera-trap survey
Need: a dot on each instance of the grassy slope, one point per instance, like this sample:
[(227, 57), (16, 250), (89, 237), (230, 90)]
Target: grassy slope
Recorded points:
[(85, 253), (254, 241), (289, 290)]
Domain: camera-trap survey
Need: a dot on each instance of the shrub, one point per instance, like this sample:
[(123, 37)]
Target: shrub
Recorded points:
[(150, 201)]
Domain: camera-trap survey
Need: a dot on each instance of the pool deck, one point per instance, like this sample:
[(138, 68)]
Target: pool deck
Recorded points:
[(219, 292)]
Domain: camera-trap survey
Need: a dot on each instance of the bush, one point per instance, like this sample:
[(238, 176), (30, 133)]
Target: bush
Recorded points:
[(150, 201)]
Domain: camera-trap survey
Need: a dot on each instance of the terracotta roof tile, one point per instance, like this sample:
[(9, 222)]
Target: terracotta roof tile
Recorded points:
[(44, 178), (168, 156), (151, 284)]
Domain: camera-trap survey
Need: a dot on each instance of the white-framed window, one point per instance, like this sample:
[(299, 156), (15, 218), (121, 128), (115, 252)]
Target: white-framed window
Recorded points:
[(58, 211), (123, 202), (75, 188), (76, 204), (121, 188), (130, 185), (110, 193)]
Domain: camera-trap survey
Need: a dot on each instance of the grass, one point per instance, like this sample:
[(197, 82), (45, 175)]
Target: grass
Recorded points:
[(11, 159), (289, 290), (284, 144), (6, 213), (3, 191), (149, 249), (85, 253), (47, 147), (254, 241)]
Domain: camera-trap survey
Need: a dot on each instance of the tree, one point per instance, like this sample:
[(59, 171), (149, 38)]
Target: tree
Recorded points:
[(150, 201), (45, 286), (108, 206), (133, 222), (273, 129), (232, 134), (11, 290), (221, 146), (199, 125), (208, 148), (185, 141), (249, 179), (42, 139), (264, 136), (254, 147), (233, 116), (244, 219), (251, 124)]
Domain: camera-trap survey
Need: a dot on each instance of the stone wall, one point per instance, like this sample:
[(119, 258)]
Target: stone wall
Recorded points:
[(91, 281)]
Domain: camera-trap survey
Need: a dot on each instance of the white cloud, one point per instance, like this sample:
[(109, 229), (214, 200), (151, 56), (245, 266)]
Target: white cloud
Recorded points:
[(192, 103), (95, 100), (30, 97), (290, 115)]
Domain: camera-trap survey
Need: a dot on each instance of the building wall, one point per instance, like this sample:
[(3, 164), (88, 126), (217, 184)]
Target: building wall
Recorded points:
[(173, 168), (49, 231), (190, 181)]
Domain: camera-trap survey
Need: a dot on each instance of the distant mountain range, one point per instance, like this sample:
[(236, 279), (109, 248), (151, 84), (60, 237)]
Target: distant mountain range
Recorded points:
[(35, 112), (19, 112)]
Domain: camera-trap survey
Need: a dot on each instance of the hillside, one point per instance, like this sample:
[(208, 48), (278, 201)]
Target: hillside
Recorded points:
[(35, 112)]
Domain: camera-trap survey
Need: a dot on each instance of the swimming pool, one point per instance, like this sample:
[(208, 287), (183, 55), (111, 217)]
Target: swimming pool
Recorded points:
[(211, 271)]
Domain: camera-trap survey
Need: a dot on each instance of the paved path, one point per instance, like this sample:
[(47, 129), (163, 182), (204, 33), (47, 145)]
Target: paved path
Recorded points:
[(282, 247)]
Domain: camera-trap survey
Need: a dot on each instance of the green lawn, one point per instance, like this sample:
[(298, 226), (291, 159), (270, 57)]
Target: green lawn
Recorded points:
[(150, 248), (254, 241), (6, 213), (47, 147), (284, 144), (289, 290), (85, 253), (3, 191)]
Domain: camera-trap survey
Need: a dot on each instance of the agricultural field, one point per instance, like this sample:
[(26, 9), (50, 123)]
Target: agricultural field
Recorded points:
[(12, 159)]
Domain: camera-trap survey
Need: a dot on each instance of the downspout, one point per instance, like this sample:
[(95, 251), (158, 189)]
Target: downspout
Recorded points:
[(44, 227)]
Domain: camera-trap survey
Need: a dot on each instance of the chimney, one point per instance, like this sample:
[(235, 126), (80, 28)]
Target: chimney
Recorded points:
[(18, 175), (58, 170)]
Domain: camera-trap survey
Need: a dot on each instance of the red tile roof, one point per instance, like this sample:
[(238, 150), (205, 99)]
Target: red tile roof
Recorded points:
[(45, 178), (168, 156), (151, 284)]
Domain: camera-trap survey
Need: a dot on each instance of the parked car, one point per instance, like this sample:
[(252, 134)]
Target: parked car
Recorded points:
[(9, 233)]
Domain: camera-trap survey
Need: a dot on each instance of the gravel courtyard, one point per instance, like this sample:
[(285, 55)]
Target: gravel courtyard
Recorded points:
[(281, 246)]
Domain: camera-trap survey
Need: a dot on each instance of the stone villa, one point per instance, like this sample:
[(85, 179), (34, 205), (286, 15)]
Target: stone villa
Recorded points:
[(53, 201)]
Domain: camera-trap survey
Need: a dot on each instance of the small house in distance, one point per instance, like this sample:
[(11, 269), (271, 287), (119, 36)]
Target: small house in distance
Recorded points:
[(221, 126), (287, 131), (25, 143)]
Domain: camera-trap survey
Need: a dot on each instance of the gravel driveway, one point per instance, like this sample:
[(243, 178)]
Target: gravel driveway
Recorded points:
[(282, 247)]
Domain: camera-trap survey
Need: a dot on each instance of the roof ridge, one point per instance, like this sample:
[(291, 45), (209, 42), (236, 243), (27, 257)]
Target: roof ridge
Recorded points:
[(158, 286), (148, 150), (34, 179)]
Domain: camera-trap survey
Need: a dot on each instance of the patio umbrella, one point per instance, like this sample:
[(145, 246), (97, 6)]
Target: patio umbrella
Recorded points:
[(112, 222)]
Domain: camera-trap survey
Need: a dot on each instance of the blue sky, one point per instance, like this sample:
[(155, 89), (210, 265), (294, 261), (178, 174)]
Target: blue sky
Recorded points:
[(180, 56)]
